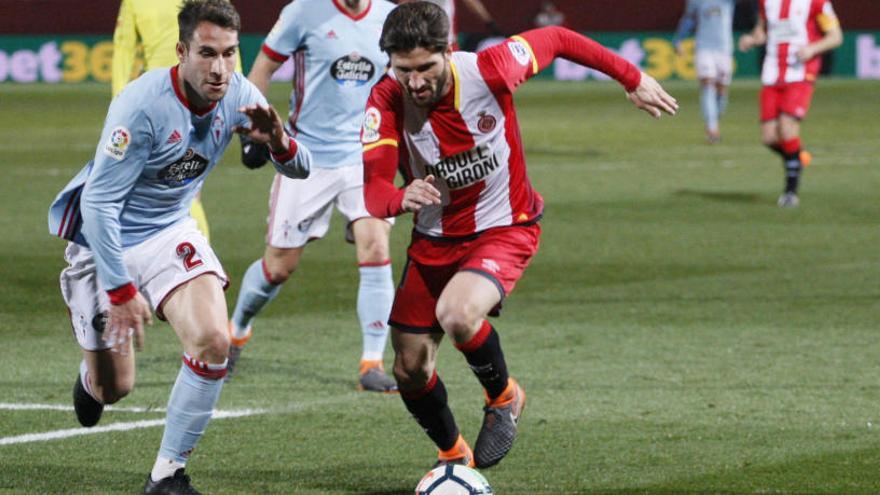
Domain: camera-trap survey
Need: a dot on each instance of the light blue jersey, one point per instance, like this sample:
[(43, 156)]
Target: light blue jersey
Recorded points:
[(711, 22), (336, 61), (151, 161)]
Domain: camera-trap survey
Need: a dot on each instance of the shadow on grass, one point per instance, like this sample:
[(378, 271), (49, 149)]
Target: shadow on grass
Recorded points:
[(733, 197)]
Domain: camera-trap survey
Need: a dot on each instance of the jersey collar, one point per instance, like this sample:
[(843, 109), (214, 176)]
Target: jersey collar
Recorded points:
[(181, 95), (346, 13)]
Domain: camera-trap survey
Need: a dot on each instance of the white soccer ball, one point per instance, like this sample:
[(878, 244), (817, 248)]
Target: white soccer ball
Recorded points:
[(453, 479)]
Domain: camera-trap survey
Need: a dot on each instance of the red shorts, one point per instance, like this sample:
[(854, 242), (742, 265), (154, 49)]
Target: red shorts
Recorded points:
[(500, 254), (789, 98)]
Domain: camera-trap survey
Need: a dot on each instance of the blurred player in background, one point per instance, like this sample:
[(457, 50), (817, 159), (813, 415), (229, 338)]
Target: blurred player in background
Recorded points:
[(475, 6), (796, 33), (335, 49), (153, 23), (134, 247), (447, 120), (712, 23)]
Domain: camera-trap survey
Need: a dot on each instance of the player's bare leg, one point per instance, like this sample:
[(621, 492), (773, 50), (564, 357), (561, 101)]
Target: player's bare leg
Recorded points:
[(461, 311), (197, 312), (105, 377), (375, 296), (261, 283), (424, 394)]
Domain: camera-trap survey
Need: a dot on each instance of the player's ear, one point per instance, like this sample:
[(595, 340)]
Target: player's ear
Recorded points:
[(181, 51)]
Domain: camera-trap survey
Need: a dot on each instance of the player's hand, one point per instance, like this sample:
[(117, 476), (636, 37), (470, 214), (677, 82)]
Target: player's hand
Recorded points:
[(805, 53), (125, 320), (420, 193), (266, 127), (746, 42), (652, 98)]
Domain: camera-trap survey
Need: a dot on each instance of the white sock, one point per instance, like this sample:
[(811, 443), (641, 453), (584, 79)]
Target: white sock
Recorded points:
[(164, 468), (375, 296)]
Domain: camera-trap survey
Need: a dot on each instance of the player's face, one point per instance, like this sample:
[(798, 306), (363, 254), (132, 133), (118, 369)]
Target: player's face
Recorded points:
[(423, 74), (208, 61)]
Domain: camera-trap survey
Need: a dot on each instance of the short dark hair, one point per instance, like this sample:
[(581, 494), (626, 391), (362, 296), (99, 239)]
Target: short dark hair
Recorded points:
[(219, 12), (415, 25)]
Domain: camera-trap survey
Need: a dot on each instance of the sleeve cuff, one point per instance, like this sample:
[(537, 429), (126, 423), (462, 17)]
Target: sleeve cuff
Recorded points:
[(122, 294), (288, 155), (272, 54)]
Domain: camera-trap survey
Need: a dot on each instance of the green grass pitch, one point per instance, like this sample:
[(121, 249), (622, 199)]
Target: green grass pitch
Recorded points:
[(676, 334)]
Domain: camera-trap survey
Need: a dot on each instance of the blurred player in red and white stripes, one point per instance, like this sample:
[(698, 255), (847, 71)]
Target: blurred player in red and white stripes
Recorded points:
[(796, 33), (447, 121)]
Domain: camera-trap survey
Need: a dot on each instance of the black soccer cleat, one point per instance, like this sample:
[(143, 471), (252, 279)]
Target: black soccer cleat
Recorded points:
[(175, 485), (499, 426), (88, 410)]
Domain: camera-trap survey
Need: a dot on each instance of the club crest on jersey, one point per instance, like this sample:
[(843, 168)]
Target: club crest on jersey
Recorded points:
[(372, 122), (117, 143), (464, 169), (520, 52), (217, 127), (185, 170), (352, 70), (486, 122)]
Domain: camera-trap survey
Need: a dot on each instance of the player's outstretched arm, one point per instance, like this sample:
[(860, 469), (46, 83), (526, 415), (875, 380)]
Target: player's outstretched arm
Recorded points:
[(126, 320), (291, 159), (652, 98)]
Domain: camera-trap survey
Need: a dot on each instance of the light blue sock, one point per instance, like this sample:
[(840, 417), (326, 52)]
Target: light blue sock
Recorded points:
[(255, 293), (189, 407), (375, 296), (722, 102), (709, 106)]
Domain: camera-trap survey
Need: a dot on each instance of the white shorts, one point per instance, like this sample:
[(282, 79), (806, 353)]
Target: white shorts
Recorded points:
[(714, 65), (158, 265), (300, 209)]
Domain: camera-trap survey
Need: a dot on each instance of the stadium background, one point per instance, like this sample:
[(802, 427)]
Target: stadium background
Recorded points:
[(75, 48)]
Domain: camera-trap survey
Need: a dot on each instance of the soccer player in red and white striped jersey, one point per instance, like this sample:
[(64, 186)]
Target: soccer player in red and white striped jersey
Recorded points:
[(447, 121), (796, 33)]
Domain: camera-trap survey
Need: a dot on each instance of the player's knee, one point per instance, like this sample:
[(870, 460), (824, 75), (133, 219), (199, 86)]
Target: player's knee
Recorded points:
[(457, 319), (279, 269), (114, 391), (213, 344), (411, 372)]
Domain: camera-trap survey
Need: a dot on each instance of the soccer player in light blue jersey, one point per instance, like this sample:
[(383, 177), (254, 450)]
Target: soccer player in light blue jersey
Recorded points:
[(133, 245), (336, 58), (711, 23)]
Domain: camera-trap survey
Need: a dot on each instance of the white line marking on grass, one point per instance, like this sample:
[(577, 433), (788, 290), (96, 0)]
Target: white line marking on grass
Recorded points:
[(125, 426), (8, 406)]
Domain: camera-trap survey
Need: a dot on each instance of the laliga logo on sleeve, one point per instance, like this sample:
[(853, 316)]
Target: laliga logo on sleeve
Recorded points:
[(372, 122), (520, 52), (117, 143)]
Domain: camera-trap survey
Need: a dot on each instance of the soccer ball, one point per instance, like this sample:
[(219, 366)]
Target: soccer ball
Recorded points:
[(453, 479)]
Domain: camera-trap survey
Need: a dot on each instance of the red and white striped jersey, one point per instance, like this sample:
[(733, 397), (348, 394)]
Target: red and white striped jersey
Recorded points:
[(470, 140), (791, 25)]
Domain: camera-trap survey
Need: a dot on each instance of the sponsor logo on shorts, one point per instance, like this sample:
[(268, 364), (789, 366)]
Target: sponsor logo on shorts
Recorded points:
[(352, 70), (462, 170), (117, 143), (183, 171), (372, 122), (520, 52), (486, 122), (491, 265)]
